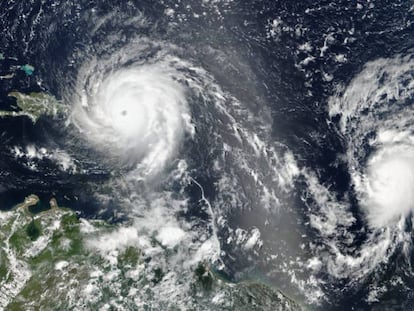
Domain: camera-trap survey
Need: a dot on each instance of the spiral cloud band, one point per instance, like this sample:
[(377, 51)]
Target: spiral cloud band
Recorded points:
[(164, 129), (377, 120), (138, 114), (390, 184), (361, 227)]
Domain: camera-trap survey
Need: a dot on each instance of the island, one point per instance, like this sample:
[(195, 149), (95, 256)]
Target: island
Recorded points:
[(35, 105), (52, 259)]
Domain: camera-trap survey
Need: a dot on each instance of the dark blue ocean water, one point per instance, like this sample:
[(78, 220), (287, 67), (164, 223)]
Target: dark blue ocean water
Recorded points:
[(46, 34)]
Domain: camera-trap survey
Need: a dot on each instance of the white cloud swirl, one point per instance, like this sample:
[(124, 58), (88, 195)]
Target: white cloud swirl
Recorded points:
[(137, 114), (376, 119), (359, 230)]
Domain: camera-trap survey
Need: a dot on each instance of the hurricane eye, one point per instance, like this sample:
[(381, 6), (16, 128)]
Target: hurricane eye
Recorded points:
[(137, 114)]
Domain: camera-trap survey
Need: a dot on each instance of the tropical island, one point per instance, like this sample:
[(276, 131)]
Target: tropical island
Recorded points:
[(35, 105)]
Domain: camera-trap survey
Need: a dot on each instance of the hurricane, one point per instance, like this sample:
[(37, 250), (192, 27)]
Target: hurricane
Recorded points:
[(368, 227), (375, 112), (138, 114), (179, 152), (206, 155)]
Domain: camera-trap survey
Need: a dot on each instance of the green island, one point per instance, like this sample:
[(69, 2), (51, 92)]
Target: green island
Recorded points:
[(35, 105), (50, 259)]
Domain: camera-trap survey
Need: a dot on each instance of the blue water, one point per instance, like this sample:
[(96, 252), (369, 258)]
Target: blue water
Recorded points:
[(297, 102)]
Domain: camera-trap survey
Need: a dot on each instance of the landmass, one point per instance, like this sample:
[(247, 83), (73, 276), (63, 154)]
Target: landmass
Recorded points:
[(244, 295), (35, 105), (55, 260)]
